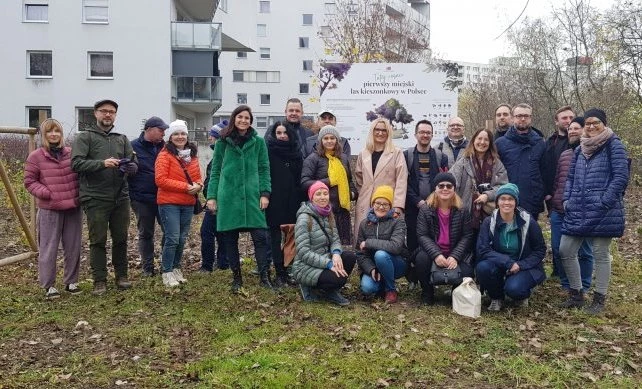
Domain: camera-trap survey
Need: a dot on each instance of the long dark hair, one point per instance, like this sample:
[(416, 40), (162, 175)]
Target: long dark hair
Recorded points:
[(231, 127)]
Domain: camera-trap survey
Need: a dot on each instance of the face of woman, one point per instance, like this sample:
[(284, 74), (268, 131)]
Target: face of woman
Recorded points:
[(53, 135), (281, 133), (329, 142), (593, 127), (380, 133), (179, 139), (445, 191), (321, 198), (482, 142), (506, 204), (381, 207), (242, 121)]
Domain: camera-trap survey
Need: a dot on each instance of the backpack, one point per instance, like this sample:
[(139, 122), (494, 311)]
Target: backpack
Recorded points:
[(409, 155)]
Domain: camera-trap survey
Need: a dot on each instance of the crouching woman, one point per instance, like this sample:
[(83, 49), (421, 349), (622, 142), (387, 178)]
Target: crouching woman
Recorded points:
[(381, 246), (510, 251), (319, 262)]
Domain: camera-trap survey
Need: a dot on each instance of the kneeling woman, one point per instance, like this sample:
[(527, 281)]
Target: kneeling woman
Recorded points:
[(510, 251), (445, 236), (319, 262), (382, 249)]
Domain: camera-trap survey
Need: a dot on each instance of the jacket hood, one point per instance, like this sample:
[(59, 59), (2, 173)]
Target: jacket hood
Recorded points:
[(531, 137), (305, 208), (94, 128)]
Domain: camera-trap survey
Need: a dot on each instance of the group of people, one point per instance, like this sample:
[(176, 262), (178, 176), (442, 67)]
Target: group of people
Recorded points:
[(466, 208)]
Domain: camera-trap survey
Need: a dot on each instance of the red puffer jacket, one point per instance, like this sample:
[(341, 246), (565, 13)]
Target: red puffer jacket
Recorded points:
[(171, 181), (51, 181)]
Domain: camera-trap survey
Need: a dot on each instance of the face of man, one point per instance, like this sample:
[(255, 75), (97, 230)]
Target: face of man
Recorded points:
[(154, 134), (563, 119), (424, 135), (503, 118), (294, 112), (327, 119), (574, 132), (105, 115), (456, 128), (522, 119)]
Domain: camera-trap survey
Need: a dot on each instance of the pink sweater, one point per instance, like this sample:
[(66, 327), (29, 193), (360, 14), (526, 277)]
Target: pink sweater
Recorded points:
[(51, 181)]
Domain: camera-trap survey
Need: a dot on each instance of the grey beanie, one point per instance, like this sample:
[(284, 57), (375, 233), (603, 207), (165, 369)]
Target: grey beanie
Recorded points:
[(325, 130)]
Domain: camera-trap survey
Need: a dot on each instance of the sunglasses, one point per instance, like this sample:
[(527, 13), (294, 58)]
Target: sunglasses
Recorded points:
[(445, 186)]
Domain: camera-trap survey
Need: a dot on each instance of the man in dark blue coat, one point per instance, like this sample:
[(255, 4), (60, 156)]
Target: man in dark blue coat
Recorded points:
[(142, 189), (521, 151)]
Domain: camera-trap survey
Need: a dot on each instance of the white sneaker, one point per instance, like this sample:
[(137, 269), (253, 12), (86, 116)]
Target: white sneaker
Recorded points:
[(495, 305), (178, 275), (169, 280), (52, 293)]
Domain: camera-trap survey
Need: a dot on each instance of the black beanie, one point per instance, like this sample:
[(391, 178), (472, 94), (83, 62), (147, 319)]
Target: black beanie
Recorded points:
[(579, 120), (595, 113), (444, 177)]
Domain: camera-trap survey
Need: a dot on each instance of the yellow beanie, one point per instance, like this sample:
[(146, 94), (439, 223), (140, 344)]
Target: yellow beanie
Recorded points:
[(383, 192)]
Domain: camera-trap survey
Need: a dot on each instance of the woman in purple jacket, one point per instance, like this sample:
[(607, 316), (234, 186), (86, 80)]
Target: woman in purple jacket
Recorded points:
[(49, 178)]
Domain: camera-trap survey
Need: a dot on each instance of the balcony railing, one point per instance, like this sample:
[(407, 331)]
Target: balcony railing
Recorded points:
[(196, 36), (196, 89)]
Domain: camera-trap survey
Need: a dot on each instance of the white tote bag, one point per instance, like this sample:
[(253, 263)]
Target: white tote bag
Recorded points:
[(467, 299)]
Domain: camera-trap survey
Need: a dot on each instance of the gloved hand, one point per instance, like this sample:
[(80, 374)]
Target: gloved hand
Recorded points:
[(126, 165)]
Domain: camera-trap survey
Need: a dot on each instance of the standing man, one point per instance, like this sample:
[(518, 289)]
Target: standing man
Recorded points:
[(455, 142), (423, 162), (293, 115), (325, 118), (142, 190), (521, 150), (503, 119), (103, 159)]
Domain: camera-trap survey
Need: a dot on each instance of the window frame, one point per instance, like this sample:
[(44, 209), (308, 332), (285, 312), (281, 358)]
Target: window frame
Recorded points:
[(258, 32), (38, 108), (304, 42), (241, 54), (261, 119), (303, 23), (307, 61), (40, 52), (240, 97), (261, 4), (99, 4), (307, 86), (263, 51), (34, 3), (91, 114), (236, 73), (89, 55), (269, 99)]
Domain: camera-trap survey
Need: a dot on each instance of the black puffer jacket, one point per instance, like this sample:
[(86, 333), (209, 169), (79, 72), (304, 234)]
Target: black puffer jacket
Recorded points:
[(388, 235), (315, 168), (461, 233)]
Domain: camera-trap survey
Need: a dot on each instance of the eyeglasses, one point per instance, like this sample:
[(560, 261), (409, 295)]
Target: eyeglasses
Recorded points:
[(445, 186), (107, 111), (380, 130), (381, 205), (523, 116), (424, 133), (592, 124)]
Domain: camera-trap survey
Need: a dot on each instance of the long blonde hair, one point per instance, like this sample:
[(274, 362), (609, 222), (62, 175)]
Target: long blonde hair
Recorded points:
[(49, 124), (370, 140), (433, 201)]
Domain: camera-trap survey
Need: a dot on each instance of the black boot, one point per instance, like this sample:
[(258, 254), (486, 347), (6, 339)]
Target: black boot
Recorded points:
[(427, 294), (597, 306), (237, 280), (265, 280), (575, 299)]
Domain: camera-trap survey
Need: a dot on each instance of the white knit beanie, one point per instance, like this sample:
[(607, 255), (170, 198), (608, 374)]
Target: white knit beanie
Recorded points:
[(176, 125)]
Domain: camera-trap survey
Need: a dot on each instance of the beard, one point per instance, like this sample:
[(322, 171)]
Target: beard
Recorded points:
[(522, 127), (106, 123)]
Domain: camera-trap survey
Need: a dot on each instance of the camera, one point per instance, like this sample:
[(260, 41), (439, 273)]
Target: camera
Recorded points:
[(481, 188)]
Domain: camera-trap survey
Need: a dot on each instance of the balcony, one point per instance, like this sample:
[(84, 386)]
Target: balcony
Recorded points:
[(199, 94), (196, 36)]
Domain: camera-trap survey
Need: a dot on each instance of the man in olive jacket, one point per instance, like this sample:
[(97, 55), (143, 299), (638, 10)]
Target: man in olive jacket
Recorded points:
[(103, 158)]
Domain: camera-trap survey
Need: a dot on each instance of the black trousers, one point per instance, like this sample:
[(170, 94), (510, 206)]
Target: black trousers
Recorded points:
[(330, 281)]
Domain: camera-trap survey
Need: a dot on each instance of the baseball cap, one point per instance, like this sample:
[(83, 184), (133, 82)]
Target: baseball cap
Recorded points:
[(155, 121), (326, 111), (100, 103)]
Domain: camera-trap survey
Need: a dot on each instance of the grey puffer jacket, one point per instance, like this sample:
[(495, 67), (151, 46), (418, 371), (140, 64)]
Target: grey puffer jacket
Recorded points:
[(388, 234), (313, 248)]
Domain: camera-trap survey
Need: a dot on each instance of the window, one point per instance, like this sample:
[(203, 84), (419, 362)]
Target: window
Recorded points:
[(304, 89), (241, 98), (39, 64), (261, 77), (264, 7), (237, 76), (261, 121), (307, 19), (255, 76), (265, 52), (304, 42), (95, 11), (241, 54), (101, 65), (261, 30), (36, 115), (265, 99), (85, 118), (36, 11), (307, 65)]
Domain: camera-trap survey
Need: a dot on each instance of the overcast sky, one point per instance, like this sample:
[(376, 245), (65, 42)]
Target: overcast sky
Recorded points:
[(465, 30)]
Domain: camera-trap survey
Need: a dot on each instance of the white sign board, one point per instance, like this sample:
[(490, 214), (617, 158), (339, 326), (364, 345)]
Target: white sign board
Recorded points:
[(403, 92)]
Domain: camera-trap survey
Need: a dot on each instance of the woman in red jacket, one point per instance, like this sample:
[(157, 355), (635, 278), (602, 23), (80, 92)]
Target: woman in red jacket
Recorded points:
[(178, 177), (49, 178)]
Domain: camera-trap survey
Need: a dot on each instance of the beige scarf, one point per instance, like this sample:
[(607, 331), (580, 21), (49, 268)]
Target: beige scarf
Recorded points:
[(589, 145)]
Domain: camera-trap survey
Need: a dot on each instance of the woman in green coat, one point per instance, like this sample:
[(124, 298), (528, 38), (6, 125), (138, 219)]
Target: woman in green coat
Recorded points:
[(239, 191)]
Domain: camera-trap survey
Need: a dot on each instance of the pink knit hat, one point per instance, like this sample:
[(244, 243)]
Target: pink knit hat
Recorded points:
[(314, 187)]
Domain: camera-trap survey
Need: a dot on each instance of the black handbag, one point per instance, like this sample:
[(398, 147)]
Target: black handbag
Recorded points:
[(198, 207), (444, 276)]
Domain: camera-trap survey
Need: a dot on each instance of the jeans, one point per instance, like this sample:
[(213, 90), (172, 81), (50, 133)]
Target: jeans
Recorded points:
[(209, 240), (261, 246), (390, 267), (493, 279), (146, 216), (585, 254), (176, 220), (569, 245)]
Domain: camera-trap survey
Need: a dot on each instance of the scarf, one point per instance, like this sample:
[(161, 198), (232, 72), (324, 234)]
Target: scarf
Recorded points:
[(55, 150), (285, 149), (590, 145), (323, 211), (238, 139), (372, 217), (185, 155), (483, 175), (339, 178)]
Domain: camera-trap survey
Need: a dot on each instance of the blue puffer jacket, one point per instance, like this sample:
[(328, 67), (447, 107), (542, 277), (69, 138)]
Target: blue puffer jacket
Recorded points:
[(521, 155), (142, 185), (594, 191)]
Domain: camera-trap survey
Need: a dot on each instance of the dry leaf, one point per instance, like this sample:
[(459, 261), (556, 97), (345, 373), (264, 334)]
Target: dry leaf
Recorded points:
[(64, 376), (530, 324), (632, 365), (382, 383), (535, 342), (617, 349), (477, 375), (485, 356), (56, 341), (256, 365), (582, 339), (121, 382), (589, 376)]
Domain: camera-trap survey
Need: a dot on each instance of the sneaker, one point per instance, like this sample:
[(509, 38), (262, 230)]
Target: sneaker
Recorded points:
[(597, 306), (178, 275), (52, 293), (521, 303), (308, 294), (122, 283), (169, 280), (335, 297), (100, 287), (391, 296), (495, 305), (73, 289)]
